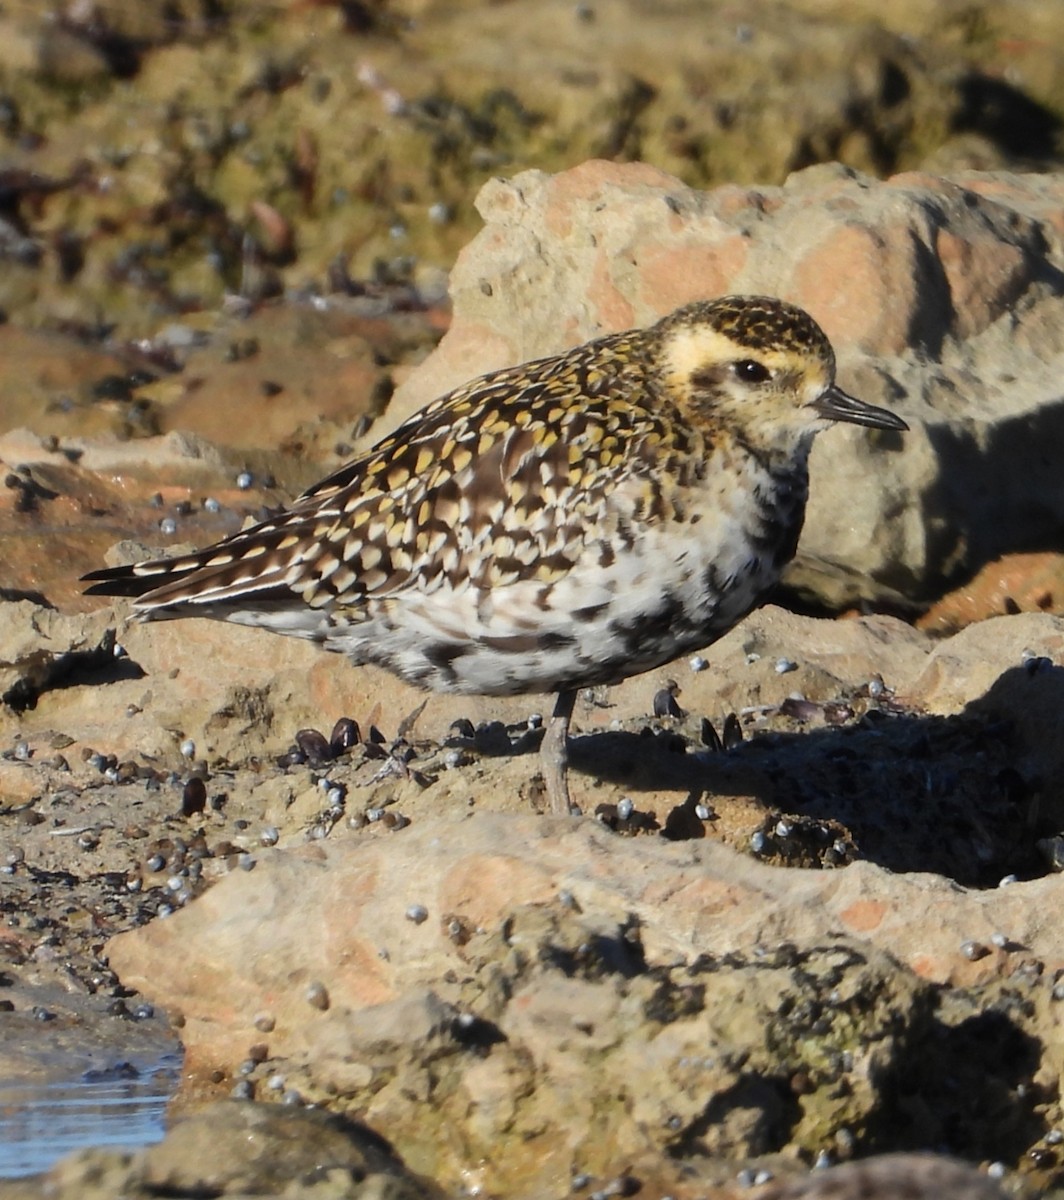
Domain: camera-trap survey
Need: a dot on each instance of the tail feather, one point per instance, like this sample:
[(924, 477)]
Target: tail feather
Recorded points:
[(255, 563), (117, 581)]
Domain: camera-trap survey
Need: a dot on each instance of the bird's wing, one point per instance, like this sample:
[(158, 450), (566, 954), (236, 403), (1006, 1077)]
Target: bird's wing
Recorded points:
[(497, 481)]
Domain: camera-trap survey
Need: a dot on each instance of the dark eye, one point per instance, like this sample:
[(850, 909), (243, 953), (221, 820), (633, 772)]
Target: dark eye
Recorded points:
[(752, 372)]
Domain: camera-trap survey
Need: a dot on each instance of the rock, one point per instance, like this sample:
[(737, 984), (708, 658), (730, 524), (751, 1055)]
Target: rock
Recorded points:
[(441, 97), (844, 722), (241, 693), (208, 1152), (1013, 583), (937, 293), (915, 1176), (236, 1148), (479, 983), (559, 963), (39, 647), (1006, 669)]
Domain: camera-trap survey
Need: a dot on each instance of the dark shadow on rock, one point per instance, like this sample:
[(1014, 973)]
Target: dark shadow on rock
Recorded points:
[(961, 796), (95, 666), (13, 595), (1031, 699), (1017, 124), (764, 1108), (965, 1085), (982, 506)]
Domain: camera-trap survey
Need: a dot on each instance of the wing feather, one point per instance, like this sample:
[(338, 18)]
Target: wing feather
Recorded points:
[(503, 478)]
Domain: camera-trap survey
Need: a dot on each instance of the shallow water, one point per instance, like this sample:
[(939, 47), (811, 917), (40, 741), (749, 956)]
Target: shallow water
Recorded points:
[(122, 1107)]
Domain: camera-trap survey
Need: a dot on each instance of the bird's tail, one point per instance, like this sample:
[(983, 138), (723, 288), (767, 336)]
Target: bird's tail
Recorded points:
[(242, 568)]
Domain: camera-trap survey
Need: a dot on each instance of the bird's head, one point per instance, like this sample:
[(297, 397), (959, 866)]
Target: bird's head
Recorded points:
[(761, 367)]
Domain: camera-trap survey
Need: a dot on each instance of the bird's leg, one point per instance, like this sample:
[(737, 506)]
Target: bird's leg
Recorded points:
[(554, 753)]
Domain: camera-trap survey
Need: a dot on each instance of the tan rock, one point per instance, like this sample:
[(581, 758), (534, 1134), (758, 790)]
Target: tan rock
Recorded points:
[(1014, 583), (526, 971), (929, 287)]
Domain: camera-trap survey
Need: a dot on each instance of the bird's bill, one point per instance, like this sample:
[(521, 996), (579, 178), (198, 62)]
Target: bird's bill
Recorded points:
[(836, 405)]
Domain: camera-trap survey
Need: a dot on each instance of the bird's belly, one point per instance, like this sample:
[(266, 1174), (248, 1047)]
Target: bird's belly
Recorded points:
[(672, 591)]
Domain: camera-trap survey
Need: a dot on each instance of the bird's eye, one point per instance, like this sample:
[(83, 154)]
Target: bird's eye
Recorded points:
[(752, 372)]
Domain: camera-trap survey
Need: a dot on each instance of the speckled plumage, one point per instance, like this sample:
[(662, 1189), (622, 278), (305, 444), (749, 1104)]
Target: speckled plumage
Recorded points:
[(564, 523)]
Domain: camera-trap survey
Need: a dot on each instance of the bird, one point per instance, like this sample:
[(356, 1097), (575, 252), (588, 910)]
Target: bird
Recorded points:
[(561, 524)]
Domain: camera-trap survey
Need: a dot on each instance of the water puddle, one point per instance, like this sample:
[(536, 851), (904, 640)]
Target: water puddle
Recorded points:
[(122, 1106)]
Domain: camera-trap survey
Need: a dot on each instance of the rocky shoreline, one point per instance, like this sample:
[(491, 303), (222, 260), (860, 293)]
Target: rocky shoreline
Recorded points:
[(806, 927)]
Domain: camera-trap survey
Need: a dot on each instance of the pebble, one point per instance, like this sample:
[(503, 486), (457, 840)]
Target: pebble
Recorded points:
[(697, 663), (702, 812), (244, 480), (758, 841), (625, 808), (1000, 940), (317, 995), (188, 748), (417, 913), (270, 836), (785, 665)]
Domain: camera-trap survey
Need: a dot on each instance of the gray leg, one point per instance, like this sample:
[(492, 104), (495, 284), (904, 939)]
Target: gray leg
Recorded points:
[(553, 753)]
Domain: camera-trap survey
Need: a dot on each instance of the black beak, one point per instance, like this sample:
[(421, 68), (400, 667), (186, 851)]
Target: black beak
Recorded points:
[(836, 405)]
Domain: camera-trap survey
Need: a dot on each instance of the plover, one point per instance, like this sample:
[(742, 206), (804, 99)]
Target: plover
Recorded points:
[(565, 523)]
